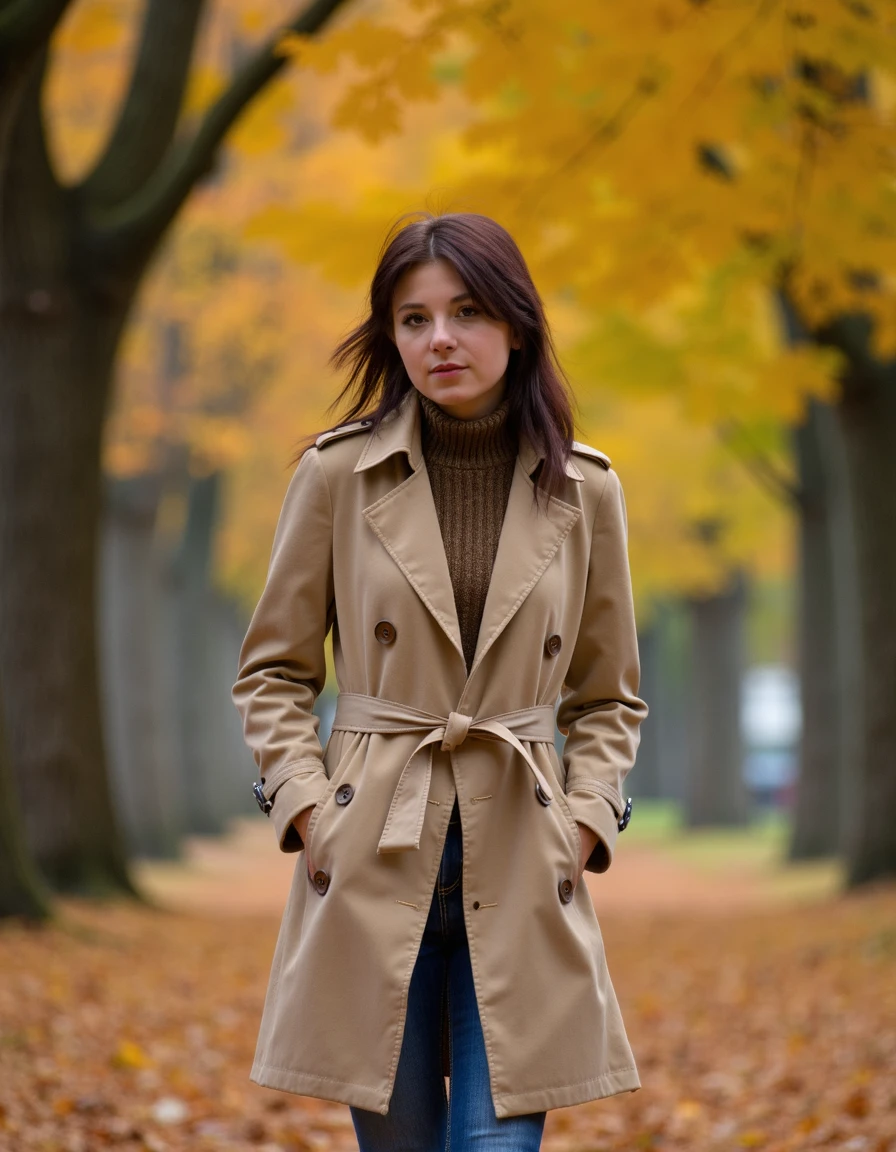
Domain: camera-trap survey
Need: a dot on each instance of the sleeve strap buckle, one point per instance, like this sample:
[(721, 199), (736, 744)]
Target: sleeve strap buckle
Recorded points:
[(263, 802)]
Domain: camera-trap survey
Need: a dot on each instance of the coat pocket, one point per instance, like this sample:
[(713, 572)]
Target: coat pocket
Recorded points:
[(557, 777), (314, 817), (336, 787), (562, 815), (572, 829)]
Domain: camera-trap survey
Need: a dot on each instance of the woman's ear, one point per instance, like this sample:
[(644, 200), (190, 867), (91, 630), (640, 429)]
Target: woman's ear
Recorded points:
[(515, 341)]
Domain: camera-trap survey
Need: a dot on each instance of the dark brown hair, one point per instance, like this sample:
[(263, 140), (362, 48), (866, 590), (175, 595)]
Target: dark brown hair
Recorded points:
[(493, 270)]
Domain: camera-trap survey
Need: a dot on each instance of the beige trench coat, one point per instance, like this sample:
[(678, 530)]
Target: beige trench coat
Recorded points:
[(358, 548)]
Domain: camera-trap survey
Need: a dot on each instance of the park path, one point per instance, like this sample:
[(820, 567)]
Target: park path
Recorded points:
[(244, 873), (762, 1011)]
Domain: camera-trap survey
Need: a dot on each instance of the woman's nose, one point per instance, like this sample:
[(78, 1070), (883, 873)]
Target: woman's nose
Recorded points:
[(441, 335)]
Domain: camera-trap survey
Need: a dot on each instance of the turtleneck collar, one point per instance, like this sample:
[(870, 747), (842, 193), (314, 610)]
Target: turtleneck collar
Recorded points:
[(480, 443)]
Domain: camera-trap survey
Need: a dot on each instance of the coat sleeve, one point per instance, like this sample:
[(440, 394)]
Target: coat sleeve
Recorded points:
[(599, 706), (282, 666)]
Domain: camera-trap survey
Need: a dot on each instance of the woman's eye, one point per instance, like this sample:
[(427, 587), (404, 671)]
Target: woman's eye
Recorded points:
[(417, 319)]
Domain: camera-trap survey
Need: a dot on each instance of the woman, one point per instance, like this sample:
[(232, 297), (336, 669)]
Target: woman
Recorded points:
[(471, 560)]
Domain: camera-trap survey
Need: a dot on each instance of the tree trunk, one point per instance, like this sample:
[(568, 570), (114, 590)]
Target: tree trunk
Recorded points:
[(817, 811), (674, 692), (136, 708), (645, 782), (192, 672), (716, 791), (227, 755), (57, 344), (868, 418), (21, 890), (49, 470), (847, 617), (830, 647), (70, 262)]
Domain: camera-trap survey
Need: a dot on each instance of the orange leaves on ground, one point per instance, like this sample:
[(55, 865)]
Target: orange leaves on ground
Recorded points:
[(150, 1049), (713, 1004), (130, 1055), (776, 1030)]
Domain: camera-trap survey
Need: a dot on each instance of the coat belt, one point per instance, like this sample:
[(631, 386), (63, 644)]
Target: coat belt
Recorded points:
[(356, 712)]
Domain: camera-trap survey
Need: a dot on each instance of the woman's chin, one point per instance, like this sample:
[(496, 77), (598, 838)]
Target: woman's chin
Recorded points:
[(463, 401)]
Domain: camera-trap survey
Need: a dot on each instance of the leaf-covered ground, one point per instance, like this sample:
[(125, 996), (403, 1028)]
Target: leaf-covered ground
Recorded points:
[(757, 1022)]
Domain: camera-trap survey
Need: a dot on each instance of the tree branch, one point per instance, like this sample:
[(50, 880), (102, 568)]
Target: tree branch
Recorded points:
[(127, 231), (761, 468), (33, 202), (149, 113), (802, 184), (716, 69), (603, 132)]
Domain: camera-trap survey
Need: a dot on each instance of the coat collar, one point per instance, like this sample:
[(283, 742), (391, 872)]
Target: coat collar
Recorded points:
[(401, 432), (406, 523)]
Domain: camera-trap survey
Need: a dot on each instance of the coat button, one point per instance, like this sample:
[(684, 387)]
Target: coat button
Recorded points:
[(552, 645), (385, 632), (565, 889), (321, 881), (344, 794)]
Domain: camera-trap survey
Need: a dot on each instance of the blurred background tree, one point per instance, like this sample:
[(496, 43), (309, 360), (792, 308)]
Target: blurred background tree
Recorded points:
[(73, 253)]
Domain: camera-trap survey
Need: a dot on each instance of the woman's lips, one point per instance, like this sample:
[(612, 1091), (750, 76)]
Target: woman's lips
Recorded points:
[(447, 371)]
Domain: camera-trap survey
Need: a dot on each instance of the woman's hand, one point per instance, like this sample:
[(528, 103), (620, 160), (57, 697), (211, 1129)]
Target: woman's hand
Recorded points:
[(589, 843)]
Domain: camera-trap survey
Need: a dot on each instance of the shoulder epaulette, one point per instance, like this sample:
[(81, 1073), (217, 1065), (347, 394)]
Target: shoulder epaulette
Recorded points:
[(587, 450), (342, 430)]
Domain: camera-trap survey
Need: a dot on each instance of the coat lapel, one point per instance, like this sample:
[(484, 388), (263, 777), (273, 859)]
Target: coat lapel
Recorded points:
[(529, 541), (406, 522), (407, 525), (405, 519)]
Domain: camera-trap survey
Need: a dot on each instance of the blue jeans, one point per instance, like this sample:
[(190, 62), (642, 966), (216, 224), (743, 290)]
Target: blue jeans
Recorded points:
[(421, 1118)]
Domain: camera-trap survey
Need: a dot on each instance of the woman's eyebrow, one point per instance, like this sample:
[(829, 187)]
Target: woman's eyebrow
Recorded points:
[(453, 300)]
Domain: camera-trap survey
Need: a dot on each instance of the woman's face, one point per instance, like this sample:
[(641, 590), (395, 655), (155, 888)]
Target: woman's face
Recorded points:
[(453, 352)]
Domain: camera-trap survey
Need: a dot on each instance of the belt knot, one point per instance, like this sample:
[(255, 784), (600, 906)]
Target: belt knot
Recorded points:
[(407, 812), (455, 730)]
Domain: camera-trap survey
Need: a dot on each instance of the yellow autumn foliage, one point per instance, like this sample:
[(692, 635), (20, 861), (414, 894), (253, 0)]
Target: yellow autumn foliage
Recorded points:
[(665, 165)]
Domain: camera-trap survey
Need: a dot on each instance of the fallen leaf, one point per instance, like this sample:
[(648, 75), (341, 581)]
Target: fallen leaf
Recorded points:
[(857, 1104), (130, 1055)]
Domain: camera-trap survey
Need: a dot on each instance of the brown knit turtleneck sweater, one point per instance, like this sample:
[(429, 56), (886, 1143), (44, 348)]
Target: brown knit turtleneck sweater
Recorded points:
[(470, 465)]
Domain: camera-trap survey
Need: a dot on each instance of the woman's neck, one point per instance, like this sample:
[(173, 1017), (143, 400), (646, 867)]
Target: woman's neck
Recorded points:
[(479, 443)]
